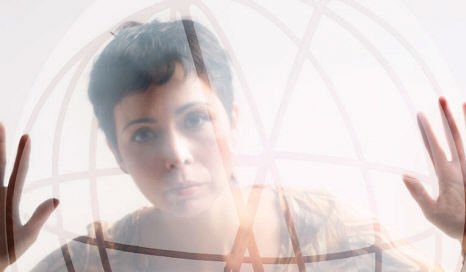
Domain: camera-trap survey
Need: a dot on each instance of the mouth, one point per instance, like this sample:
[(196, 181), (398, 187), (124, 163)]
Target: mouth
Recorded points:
[(186, 189)]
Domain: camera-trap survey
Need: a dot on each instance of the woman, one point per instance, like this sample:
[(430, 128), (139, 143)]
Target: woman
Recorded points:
[(163, 96)]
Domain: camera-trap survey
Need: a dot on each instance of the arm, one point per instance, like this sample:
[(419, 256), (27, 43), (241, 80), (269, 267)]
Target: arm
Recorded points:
[(447, 212), (15, 237)]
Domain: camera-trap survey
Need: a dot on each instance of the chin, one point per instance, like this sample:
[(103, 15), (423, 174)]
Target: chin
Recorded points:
[(190, 208), (195, 204)]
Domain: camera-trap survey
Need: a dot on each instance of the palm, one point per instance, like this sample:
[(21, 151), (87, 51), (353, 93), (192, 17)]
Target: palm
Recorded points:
[(447, 211)]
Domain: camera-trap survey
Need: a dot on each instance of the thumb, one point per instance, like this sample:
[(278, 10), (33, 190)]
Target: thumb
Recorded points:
[(41, 214), (419, 193)]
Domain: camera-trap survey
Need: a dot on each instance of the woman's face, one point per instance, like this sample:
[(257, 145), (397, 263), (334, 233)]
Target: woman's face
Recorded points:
[(175, 141)]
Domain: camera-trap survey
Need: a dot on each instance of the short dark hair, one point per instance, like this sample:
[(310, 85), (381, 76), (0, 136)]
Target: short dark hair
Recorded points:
[(144, 54)]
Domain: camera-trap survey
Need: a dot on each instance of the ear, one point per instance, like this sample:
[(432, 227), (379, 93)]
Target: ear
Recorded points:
[(117, 156)]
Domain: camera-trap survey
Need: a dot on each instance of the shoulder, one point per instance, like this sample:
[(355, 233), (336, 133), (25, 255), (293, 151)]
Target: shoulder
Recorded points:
[(335, 235), (82, 254), (311, 208), (320, 219)]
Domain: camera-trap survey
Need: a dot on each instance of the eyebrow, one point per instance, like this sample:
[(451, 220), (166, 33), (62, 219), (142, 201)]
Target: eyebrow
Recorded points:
[(140, 120), (187, 106), (151, 120)]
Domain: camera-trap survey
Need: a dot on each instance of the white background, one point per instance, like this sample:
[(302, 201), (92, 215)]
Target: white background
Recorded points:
[(31, 32)]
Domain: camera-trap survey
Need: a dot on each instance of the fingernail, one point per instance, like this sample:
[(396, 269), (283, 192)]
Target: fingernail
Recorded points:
[(23, 139), (443, 101), (408, 178), (56, 202)]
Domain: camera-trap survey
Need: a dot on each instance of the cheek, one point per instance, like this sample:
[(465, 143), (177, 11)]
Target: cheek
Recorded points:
[(146, 174), (225, 153), (142, 165), (222, 148)]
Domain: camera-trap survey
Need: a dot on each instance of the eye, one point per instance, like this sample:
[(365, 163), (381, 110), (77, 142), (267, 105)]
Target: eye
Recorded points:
[(142, 135), (195, 119)]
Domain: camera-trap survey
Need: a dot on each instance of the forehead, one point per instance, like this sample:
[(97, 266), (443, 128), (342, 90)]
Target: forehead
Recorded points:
[(166, 98)]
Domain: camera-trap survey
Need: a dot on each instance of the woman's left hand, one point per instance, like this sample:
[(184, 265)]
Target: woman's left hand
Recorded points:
[(447, 212)]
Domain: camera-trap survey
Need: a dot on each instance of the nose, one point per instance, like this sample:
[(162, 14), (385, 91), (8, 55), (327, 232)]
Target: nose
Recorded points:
[(177, 151)]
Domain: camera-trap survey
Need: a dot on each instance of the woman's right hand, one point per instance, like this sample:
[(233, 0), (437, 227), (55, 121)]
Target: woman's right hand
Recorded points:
[(15, 237)]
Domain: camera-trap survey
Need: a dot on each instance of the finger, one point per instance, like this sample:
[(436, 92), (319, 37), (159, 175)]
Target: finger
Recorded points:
[(419, 193), (40, 216), (15, 185), (431, 143), (464, 110), (2, 154), (451, 130)]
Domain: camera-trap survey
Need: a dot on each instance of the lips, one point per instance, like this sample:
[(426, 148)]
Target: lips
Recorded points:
[(186, 189)]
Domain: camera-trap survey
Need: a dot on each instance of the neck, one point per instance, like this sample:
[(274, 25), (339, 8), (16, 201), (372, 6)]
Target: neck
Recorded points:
[(212, 231)]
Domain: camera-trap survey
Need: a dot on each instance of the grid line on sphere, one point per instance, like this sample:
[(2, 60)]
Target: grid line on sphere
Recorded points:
[(268, 146), (95, 207), (395, 78), (372, 49), (243, 160), (56, 148), (295, 72), (355, 141), (237, 67), (261, 171), (385, 65), (244, 237), (62, 178), (378, 254), (290, 225), (413, 52), (266, 260)]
